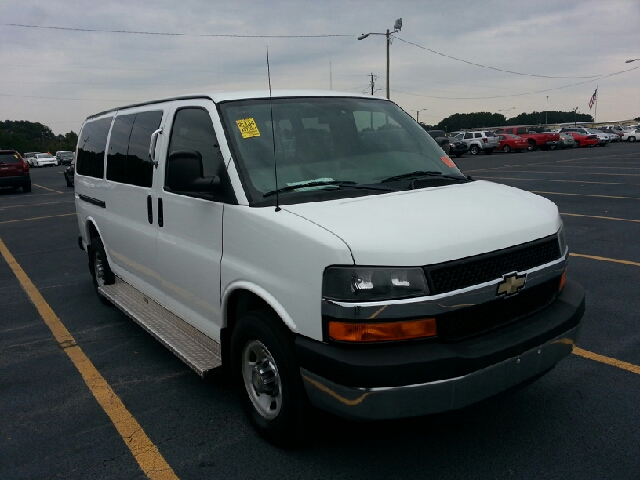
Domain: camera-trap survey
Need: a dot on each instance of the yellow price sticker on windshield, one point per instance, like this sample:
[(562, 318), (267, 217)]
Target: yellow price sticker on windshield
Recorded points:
[(248, 127)]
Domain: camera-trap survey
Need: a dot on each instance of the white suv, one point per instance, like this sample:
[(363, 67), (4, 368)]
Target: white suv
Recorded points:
[(479, 141)]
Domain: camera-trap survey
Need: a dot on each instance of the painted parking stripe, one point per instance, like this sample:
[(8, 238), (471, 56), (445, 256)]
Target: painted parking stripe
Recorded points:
[(583, 195), (144, 451), (35, 204), (605, 259), (550, 180), (600, 217), (50, 189), (557, 173), (37, 218), (608, 360)]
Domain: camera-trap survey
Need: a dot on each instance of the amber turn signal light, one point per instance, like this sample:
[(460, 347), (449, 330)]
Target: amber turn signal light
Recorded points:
[(382, 332), (563, 279)]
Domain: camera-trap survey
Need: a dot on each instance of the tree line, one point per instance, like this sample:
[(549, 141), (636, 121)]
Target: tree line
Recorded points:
[(465, 121), (24, 136)]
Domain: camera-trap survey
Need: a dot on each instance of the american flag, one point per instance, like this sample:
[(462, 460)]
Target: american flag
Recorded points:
[(593, 99)]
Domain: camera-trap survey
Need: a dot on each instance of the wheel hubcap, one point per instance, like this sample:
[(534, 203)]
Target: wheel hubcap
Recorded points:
[(261, 379)]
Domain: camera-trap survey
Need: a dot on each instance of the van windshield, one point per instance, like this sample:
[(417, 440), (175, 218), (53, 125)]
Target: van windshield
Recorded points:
[(328, 143)]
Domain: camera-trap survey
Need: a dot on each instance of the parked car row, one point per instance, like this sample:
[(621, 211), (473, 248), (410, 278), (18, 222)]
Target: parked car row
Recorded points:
[(38, 159)]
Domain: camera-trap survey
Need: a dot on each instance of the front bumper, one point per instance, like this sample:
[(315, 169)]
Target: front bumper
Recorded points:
[(457, 374)]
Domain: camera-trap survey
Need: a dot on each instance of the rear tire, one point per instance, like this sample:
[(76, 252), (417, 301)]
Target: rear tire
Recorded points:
[(474, 150), (99, 268), (632, 139), (267, 377), (26, 187), (488, 151)]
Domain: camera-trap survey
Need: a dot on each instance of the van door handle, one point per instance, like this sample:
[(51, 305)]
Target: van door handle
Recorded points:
[(150, 209), (160, 213)]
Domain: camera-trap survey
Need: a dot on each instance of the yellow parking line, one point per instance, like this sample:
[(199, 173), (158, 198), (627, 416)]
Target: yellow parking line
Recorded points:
[(564, 173), (37, 218), (600, 217), (583, 195), (35, 204), (548, 180), (50, 189), (609, 361), (144, 451), (605, 259)]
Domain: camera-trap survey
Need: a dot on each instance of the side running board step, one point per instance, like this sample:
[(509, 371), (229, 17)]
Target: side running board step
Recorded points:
[(192, 346)]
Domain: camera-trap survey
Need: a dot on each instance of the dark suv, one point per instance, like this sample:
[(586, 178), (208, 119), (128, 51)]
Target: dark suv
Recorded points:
[(14, 171), (441, 139)]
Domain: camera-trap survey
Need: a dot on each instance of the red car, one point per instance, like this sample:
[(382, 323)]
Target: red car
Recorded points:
[(509, 142), (14, 171), (583, 140)]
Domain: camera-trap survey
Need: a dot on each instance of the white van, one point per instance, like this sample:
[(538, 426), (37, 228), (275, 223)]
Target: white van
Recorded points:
[(323, 249)]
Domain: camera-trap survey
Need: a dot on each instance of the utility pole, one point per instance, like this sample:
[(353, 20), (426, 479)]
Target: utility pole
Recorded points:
[(388, 44), (396, 28)]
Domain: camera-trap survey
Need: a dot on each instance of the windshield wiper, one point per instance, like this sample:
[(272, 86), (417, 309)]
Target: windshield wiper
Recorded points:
[(424, 173), (324, 183)]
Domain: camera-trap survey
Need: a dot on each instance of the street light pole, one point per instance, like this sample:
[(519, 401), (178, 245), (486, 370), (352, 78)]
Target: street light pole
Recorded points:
[(575, 116), (418, 114), (396, 28), (546, 119)]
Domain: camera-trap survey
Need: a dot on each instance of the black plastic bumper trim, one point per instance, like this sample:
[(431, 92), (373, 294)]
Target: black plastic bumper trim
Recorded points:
[(407, 363)]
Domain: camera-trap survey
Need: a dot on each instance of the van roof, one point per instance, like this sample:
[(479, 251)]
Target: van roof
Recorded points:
[(223, 96)]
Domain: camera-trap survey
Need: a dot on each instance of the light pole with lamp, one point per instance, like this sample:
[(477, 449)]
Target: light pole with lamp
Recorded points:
[(575, 116), (418, 114), (546, 119), (396, 28)]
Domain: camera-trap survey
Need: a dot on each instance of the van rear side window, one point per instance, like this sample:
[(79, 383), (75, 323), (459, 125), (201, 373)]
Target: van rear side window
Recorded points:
[(127, 160), (91, 145)]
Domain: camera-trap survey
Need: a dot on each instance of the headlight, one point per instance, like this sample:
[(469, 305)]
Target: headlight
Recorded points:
[(562, 239), (369, 284)]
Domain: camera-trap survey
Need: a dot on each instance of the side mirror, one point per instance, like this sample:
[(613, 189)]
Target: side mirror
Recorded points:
[(185, 174)]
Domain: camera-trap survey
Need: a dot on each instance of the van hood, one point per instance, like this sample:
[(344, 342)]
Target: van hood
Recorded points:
[(434, 225)]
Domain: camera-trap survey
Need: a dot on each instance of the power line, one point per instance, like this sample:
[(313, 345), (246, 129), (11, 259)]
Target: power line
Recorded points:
[(518, 94), (499, 69), (167, 34)]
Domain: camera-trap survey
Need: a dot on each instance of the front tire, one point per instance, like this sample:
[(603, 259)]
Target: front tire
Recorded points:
[(532, 146), (506, 149), (267, 377), (577, 144), (99, 268), (632, 139)]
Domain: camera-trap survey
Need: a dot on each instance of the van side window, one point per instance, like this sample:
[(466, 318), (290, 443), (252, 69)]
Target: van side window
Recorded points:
[(129, 148), (192, 130), (118, 145), (139, 168), (91, 146)]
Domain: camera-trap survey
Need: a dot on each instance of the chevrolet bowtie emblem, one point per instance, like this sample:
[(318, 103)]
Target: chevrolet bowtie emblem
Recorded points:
[(510, 284)]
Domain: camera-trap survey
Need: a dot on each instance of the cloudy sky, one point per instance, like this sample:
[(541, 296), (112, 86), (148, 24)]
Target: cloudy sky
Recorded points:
[(58, 77)]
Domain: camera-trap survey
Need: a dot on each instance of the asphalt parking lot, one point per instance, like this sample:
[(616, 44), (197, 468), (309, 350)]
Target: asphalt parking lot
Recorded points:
[(132, 409)]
